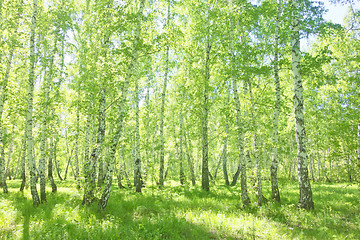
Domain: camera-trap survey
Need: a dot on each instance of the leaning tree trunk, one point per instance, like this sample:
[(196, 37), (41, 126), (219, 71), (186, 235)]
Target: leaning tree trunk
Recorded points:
[(275, 193), (29, 111), (122, 112), (305, 199)]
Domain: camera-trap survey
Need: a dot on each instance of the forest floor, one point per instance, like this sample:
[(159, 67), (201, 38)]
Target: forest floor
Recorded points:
[(176, 212)]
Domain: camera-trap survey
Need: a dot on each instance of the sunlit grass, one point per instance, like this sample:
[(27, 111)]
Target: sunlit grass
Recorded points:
[(176, 212)]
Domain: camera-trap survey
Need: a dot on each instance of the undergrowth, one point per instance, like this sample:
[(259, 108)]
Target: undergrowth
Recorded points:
[(176, 212)]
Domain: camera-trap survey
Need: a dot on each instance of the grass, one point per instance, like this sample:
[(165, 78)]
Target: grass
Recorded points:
[(177, 212)]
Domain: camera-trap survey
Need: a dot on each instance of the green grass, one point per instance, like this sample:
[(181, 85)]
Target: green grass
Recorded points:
[(177, 212)]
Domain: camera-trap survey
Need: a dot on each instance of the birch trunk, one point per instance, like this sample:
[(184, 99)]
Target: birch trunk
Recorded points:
[(29, 111), (147, 128), (240, 132), (240, 135), (224, 166), (162, 113), (122, 111), (43, 137), (187, 141), (305, 198), (8, 171), (77, 176), (137, 163), (23, 171), (88, 194), (275, 193), (260, 197), (50, 166), (205, 113), (162, 110), (181, 154)]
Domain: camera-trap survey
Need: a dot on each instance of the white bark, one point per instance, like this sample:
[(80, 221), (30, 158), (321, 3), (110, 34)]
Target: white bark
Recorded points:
[(240, 131), (29, 111), (275, 194), (305, 199), (122, 111)]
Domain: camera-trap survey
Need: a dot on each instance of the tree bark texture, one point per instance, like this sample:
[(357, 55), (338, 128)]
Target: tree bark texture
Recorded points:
[(29, 111), (205, 114), (275, 193), (122, 112), (305, 198)]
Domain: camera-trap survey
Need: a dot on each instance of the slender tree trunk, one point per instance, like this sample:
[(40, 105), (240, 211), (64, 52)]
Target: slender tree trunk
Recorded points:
[(305, 198), (29, 111), (162, 113), (122, 111), (88, 194), (137, 165), (43, 137), (77, 176), (240, 134), (224, 166), (8, 170), (23, 173), (181, 154), (205, 113), (58, 170), (275, 194), (218, 163), (18, 163), (68, 164), (50, 166), (260, 197), (162, 110), (147, 128), (153, 154)]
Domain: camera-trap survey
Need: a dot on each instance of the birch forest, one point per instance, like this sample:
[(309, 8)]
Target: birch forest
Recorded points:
[(179, 119)]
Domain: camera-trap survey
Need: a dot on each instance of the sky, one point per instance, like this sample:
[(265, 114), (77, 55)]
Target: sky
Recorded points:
[(337, 12)]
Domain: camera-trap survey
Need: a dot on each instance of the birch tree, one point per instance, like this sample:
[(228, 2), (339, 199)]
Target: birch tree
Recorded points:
[(305, 199), (162, 110), (122, 108), (275, 194), (29, 111)]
